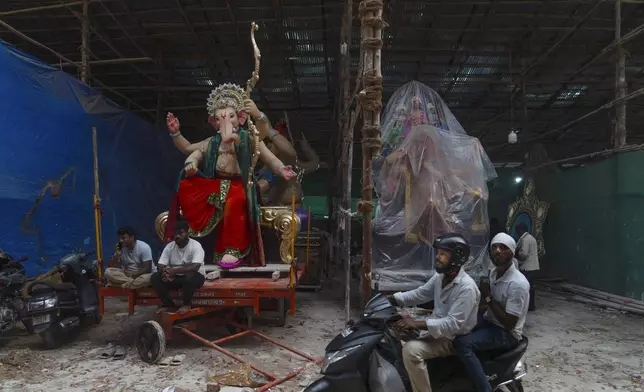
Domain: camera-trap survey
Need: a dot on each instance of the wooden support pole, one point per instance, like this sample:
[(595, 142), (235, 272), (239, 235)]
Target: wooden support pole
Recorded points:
[(85, 70), (370, 98), (619, 136), (97, 207), (346, 127)]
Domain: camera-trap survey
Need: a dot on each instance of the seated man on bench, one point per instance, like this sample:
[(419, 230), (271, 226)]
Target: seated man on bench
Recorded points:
[(179, 266), (132, 265)]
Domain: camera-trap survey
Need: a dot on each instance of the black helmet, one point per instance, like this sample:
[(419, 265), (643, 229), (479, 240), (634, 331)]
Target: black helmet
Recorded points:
[(457, 245)]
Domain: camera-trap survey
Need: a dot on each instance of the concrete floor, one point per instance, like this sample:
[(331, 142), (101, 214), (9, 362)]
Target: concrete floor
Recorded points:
[(573, 347)]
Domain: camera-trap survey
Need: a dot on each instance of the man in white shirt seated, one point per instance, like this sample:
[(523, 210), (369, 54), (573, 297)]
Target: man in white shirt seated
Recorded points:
[(456, 299), (506, 297), (179, 269), (132, 264), (528, 256)]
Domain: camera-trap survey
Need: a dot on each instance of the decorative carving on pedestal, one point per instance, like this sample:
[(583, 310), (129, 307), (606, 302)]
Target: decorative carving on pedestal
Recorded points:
[(280, 219)]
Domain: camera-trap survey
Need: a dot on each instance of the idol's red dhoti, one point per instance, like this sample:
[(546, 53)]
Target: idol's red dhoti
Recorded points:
[(207, 203)]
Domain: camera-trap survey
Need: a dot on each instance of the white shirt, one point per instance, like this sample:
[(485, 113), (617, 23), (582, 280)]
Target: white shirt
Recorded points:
[(512, 292), (132, 260), (455, 305), (528, 253), (174, 256)]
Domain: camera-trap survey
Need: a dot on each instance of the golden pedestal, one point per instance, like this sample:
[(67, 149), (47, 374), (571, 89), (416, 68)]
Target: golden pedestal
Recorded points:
[(278, 218)]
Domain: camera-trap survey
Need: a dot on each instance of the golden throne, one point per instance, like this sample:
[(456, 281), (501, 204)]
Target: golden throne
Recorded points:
[(278, 218)]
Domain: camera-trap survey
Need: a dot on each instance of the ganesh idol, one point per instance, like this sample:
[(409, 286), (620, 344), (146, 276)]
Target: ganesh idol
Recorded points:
[(216, 194)]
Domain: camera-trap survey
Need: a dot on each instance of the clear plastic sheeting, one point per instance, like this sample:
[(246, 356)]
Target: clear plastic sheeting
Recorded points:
[(431, 179)]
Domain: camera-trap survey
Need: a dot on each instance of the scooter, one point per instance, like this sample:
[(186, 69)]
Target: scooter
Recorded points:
[(368, 357), (57, 310)]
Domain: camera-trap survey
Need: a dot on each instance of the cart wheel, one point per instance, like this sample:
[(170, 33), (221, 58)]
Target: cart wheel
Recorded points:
[(282, 310), (240, 318), (150, 342)]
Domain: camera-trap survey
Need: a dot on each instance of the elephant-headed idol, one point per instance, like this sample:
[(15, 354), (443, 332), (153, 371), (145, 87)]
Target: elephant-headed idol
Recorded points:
[(216, 188)]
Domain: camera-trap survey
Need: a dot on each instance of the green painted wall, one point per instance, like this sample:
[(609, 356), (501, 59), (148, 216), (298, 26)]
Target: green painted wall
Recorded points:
[(316, 188), (594, 234), (503, 191)]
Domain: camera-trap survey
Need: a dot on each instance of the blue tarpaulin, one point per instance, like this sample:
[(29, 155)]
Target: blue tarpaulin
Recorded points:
[(46, 120)]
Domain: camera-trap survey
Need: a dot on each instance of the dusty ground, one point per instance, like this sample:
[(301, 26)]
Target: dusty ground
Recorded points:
[(573, 347)]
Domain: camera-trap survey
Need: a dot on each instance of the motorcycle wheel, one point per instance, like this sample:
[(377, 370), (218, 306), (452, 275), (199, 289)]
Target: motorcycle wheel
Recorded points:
[(52, 337), (150, 342)]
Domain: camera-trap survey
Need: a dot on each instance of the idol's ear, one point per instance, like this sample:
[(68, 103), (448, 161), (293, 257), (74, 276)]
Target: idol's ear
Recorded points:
[(213, 122), (242, 116)]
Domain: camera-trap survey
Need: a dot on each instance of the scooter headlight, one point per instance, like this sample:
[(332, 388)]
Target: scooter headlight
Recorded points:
[(334, 356), (43, 304)]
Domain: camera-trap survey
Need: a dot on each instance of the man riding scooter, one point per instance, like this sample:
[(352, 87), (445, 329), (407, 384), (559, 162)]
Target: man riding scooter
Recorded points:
[(507, 298), (456, 298)]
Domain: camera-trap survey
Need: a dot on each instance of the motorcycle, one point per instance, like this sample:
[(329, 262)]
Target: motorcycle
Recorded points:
[(57, 310), (12, 279), (367, 356)]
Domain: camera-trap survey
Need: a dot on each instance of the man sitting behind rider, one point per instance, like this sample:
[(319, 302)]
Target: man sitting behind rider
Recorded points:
[(507, 298), (179, 266), (456, 299), (134, 260)]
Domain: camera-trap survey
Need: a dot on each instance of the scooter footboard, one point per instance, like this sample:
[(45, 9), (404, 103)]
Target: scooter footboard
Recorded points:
[(353, 382)]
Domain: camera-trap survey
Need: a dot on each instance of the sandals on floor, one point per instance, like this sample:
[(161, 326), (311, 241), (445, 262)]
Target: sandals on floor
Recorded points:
[(119, 354), (177, 360), (107, 353), (165, 362)]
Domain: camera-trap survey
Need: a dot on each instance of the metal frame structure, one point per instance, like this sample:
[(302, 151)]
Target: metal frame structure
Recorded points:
[(569, 58), (168, 323)]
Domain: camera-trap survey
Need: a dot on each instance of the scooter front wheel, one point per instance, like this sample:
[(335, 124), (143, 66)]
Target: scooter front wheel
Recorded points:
[(514, 386)]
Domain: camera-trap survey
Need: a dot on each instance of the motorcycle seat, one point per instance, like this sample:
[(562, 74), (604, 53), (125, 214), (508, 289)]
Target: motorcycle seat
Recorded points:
[(501, 355), (43, 286)]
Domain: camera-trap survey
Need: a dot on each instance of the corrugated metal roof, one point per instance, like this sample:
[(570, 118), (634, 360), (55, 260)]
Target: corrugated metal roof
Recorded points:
[(457, 47)]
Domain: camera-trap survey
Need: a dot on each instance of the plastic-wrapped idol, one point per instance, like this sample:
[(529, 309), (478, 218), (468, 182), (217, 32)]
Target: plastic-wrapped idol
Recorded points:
[(431, 179)]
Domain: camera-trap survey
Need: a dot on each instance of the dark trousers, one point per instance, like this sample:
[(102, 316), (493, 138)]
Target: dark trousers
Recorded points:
[(486, 336), (188, 283), (530, 275)]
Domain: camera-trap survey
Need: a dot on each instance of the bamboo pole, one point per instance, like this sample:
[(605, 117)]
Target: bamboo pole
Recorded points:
[(345, 128), (619, 136), (111, 61), (45, 7), (291, 271), (606, 304), (370, 102), (308, 240), (97, 206), (85, 70), (602, 295)]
